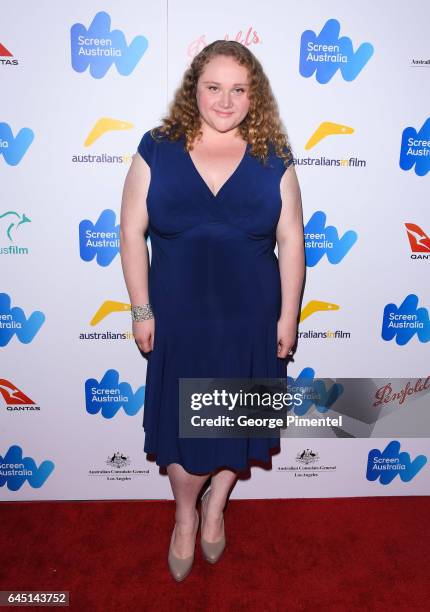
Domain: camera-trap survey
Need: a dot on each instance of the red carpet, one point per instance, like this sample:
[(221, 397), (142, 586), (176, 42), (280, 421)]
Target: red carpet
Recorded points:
[(309, 555)]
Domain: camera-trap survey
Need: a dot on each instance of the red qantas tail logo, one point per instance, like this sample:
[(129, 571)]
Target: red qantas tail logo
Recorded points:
[(4, 52), (418, 239), (12, 395)]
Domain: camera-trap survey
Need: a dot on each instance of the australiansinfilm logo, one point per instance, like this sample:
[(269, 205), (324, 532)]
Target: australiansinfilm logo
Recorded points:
[(118, 467), (307, 465), (104, 131)]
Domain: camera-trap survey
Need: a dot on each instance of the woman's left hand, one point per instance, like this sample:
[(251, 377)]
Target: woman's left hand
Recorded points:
[(287, 336)]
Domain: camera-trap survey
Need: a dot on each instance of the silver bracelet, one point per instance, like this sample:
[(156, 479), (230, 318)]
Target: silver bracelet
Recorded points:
[(141, 313)]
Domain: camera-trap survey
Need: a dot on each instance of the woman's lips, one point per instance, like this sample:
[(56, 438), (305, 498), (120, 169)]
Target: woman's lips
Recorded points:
[(222, 114)]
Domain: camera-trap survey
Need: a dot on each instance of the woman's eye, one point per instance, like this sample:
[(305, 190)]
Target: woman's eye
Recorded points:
[(239, 89), (213, 87)]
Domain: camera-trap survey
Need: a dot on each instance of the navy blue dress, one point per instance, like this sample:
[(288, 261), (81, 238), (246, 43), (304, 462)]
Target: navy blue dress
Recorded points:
[(214, 288)]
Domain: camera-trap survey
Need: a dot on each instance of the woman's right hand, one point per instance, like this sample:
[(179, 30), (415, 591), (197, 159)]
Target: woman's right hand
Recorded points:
[(144, 333)]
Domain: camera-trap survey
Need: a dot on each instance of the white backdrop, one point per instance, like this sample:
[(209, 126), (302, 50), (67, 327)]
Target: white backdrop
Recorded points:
[(53, 444)]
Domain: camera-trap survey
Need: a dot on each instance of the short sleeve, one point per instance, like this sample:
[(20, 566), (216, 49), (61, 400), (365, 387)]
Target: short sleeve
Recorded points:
[(146, 147), (288, 163)]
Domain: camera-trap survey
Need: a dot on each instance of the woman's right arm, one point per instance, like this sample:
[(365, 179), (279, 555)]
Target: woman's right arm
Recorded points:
[(133, 249)]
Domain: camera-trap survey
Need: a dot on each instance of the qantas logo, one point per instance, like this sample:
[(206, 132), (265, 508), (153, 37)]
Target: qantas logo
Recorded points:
[(418, 241), (6, 57)]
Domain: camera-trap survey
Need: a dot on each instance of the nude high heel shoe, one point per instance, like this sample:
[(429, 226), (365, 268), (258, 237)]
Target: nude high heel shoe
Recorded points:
[(180, 568), (212, 551)]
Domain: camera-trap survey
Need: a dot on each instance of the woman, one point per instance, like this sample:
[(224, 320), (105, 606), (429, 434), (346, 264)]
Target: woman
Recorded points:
[(216, 186)]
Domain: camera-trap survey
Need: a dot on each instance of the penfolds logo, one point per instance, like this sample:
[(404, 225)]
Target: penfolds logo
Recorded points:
[(385, 394), (250, 37)]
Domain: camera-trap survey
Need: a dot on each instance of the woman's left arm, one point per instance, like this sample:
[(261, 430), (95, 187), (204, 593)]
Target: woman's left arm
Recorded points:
[(291, 257)]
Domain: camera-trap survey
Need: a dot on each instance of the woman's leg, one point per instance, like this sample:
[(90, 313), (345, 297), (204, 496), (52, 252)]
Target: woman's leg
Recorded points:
[(185, 487), (221, 484)]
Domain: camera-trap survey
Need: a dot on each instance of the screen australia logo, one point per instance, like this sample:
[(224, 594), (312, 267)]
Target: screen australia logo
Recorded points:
[(99, 240), (109, 396), (401, 323), (387, 464), (321, 240), (415, 149), (15, 470), (325, 53), (13, 148), (13, 321), (314, 392), (98, 47)]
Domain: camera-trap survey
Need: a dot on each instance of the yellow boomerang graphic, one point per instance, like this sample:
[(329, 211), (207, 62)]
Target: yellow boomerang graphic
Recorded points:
[(316, 306), (326, 128), (103, 125), (106, 308)]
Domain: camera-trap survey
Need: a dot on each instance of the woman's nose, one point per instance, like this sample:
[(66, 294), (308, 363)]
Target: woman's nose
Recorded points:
[(225, 99)]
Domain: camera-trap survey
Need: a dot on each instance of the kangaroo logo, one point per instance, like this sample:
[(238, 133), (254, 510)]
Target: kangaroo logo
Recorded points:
[(99, 48), (325, 53), (415, 149), (13, 321), (16, 469), (14, 220), (100, 240), (14, 149), (387, 464), (320, 240), (403, 322), (313, 391), (110, 395)]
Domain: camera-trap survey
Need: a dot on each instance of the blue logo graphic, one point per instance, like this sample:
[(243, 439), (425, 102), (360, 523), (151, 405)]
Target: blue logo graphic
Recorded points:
[(390, 462), (14, 149), (320, 240), (99, 48), (13, 321), (406, 320), (326, 53), (313, 392), (110, 395), (15, 470), (415, 149), (100, 240)]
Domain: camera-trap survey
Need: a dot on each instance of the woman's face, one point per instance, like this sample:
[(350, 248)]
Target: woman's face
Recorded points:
[(222, 93)]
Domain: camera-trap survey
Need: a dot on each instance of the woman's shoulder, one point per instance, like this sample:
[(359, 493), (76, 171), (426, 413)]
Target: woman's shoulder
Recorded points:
[(281, 162), (148, 143)]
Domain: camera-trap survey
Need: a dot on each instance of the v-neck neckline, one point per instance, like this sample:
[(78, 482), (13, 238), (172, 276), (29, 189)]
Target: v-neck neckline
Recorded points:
[(213, 195)]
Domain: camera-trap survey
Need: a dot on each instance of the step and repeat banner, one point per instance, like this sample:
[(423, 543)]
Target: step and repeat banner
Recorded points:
[(80, 83)]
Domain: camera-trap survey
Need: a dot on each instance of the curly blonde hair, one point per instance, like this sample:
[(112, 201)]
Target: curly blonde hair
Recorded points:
[(261, 126)]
